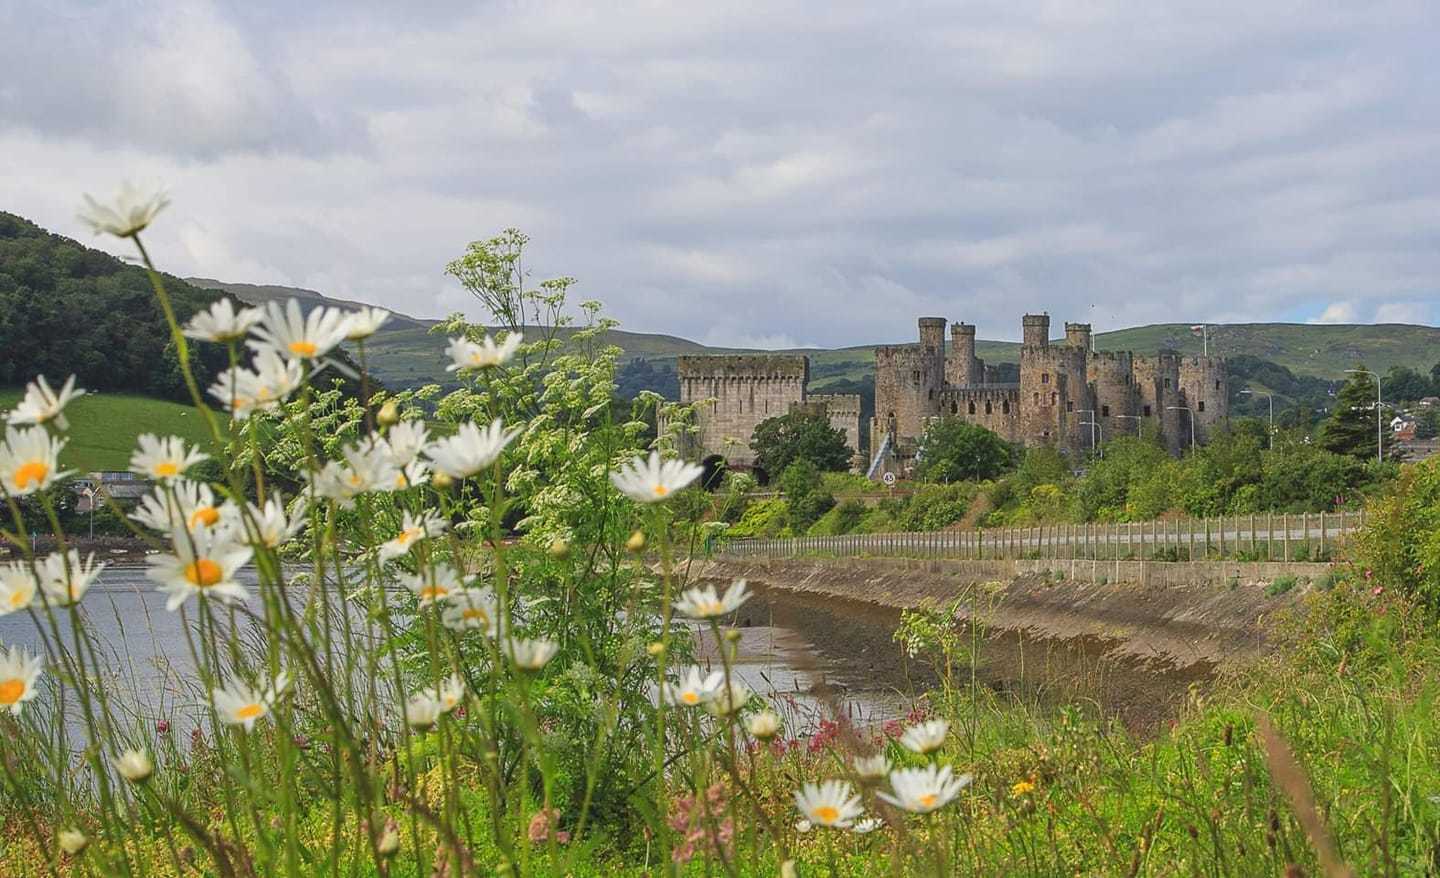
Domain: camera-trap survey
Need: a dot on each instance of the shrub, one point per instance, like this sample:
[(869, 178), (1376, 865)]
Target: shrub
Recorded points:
[(762, 519), (1281, 585), (933, 507)]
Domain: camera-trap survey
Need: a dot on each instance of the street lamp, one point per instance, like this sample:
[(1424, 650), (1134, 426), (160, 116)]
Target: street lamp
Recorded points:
[(1270, 398), (1379, 432), (1186, 410), (1094, 426)]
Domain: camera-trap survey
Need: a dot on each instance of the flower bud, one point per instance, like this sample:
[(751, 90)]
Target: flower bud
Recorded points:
[(389, 841), (636, 543), (72, 841), (135, 766), (732, 635), (764, 725), (559, 549), (656, 649), (389, 413), (440, 480)]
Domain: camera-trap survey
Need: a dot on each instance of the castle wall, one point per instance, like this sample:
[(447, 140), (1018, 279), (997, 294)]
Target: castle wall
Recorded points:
[(1157, 382), (742, 391), (843, 410), (1054, 393), (995, 408), (1205, 385), (1112, 387)]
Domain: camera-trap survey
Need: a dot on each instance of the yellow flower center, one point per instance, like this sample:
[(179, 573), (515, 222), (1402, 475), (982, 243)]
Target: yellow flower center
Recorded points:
[(31, 474), (206, 515), (827, 814), (250, 711), (475, 613), (407, 535), (203, 572), (660, 490), (11, 690), (166, 469), (303, 348), (928, 800), (690, 698), (431, 592), (1022, 788), (19, 597), (712, 608)]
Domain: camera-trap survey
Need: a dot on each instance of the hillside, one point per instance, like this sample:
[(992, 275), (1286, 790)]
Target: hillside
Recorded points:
[(103, 427)]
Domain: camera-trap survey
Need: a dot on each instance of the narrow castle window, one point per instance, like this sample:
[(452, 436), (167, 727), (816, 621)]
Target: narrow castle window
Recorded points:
[(972, 408), (954, 409), (1005, 407), (1037, 397), (932, 393), (1217, 385), (1147, 411), (1104, 411), (915, 376), (1054, 397), (1044, 377), (988, 410), (1202, 405), (1069, 405), (1167, 383)]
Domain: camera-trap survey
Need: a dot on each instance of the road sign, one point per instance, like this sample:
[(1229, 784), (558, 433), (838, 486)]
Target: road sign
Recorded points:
[(888, 479)]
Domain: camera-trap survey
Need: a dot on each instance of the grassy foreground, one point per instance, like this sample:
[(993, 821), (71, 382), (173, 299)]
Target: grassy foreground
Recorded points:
[(104, 427)]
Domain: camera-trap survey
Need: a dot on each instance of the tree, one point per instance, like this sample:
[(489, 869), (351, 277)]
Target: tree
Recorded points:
[(955, 451), (782, 440), (1351, 428), (1404, 383)]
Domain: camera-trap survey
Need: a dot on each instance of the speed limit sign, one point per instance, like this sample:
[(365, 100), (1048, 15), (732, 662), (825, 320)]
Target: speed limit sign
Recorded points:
[(889, 480)]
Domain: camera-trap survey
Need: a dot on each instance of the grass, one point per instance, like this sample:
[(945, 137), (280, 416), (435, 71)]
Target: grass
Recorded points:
[(103, 427)]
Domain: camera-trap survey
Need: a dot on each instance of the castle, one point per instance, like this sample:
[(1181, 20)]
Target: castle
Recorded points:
[(733, 394), (1069, 395)]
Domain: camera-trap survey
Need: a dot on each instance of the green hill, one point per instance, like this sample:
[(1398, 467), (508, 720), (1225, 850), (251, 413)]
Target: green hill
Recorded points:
[(103, 427)]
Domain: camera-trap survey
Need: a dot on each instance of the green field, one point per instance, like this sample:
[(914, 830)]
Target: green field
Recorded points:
[(103, 427)]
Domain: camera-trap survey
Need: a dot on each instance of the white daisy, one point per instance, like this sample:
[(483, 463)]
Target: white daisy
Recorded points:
[(413, 473), (406, 440), (926, 737), (422, 711), (871, 767), (29, 460), (650, 481), (729, 699), (703, 603), (867, 826), (262, 388), (204, 563), (694, 687), (413, 529), (17, 587), (41, 404), (163, 459), (298, 337), (274, 525), (128, 212), (134, 765), (434, 587), (18, 672), (803, 826), (832, 803), (72, 841), (471, 609), (763, 725), (64, 579), (450, 692), (922, 790), (530, 655), (182, 503), (471, 449), (365, 322), (367, 467), (466, 354), (241, 705), (222, 322)]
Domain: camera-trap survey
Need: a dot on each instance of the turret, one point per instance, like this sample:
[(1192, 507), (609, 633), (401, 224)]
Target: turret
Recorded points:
[(961, 367), (932, 335), (1077, 335), (1036, 329)]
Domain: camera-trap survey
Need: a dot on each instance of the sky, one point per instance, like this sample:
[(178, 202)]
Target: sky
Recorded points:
[(771, 175)]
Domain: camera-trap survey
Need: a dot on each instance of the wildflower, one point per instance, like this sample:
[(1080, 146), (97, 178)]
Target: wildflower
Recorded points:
[(273, 525), (530, 655), (867, 826), (64, 579), (694, 688), (764, 725), (241, 705), (471, 449), (728, 699), (1022, 788), (18, 672), (367, 467), (406, 439), (269, 382), (72, 841), (922, 790), (298, 337), (135, 766), (163, 459), (832, 803), (17, 587), (422, 711), (222, 322), (636, 543), (413, 529), (41, 403), (466, 354), (703, 603), (389, 841), (128, 212), (450, 692), (365, 323), (203, 563), (186, 504), (803, 826), (653, 480), (469, 609), (29, 460), (926, 737), (431, 587), (871, 767)]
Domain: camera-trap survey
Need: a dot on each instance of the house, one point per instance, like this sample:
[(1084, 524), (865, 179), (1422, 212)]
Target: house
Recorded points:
[(92, 489)]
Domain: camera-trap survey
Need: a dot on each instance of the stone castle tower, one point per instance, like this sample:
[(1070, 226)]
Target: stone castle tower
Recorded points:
[(1068, 395)]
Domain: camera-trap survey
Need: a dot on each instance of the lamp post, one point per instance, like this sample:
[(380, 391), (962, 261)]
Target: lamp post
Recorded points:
[(1186, 410), (1379, 431), (1094, 442), (1270, 398)]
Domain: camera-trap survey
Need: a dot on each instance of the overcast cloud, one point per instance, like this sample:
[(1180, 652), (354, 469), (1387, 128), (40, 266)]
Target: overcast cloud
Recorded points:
[(785, 173)]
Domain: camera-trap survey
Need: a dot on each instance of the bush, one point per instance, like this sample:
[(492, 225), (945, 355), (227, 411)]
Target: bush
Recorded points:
[(763, 519), (933, 507), (877, 521), (841, 519), (799, 478), (1281, 585), (807, 509), (1400, 544)]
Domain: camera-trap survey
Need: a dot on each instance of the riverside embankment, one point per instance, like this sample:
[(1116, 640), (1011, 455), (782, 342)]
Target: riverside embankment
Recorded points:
[(1132, 645)]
